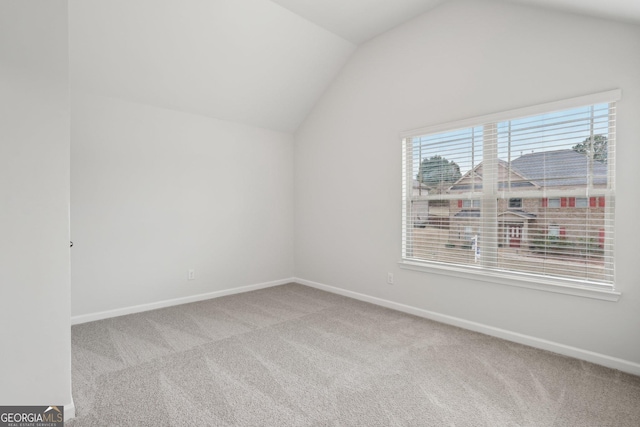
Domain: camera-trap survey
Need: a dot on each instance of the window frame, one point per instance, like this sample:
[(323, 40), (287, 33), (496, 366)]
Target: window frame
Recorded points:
[(568, 286), (582, 202), (554, 203), (471, 203), (513, 201), (554, 231)]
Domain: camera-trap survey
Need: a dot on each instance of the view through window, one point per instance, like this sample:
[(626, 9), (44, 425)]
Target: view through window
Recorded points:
[(532, 195)]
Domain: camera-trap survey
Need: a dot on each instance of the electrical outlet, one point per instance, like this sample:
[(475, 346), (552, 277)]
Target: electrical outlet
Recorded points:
[(390, 278), (191, 275)]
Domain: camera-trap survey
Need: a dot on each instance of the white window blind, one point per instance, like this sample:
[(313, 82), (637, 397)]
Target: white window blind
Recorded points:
[(524, 193)]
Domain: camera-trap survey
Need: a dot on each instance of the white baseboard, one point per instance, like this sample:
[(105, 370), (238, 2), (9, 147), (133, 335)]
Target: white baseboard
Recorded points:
[(69, 411), (84, 318), (578, 353)]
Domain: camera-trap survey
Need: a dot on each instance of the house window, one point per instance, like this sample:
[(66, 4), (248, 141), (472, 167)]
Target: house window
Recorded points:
[(467, 234), (515, 203), (582, 202), (560, 154)]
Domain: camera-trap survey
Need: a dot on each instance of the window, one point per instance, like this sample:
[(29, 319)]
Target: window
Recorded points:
[(582, 202), (468, 233), (525, 169), (515, 203), (471, 204)]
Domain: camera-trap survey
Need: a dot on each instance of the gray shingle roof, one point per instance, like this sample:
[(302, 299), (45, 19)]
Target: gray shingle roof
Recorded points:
[(520, 213), (558, 168), (468, 213)]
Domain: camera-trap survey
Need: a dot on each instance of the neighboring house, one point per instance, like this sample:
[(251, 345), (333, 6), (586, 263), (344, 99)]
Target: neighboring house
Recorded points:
[(432, 212), (526, 221), (419, 208)]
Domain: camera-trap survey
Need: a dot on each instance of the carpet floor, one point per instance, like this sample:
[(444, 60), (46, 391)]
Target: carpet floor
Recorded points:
[(296, 356)]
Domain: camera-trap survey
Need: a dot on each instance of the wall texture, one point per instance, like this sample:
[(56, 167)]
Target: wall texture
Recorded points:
[(463, 59), (34, 205), (156, 192)]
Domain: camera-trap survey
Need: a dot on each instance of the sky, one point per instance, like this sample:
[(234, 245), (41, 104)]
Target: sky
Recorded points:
[(516, 137)]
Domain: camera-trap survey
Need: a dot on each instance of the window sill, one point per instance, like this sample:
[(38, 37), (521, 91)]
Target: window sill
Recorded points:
[(567, 287)]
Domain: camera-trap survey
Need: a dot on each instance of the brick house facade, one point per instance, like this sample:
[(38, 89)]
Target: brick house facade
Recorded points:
[(528, 222)]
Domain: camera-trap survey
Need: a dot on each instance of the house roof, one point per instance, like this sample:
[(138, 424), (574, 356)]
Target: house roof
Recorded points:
[(517, 180), (520, 213), (468, 213), (420, 185), (501, 185), (559, 168), (475, 213)]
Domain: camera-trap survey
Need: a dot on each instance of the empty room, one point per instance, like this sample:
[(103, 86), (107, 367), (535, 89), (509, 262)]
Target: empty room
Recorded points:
[(320, 213)]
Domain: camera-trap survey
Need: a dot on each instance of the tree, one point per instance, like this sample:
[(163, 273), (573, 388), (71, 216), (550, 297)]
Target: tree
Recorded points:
[(437, 172), (600, 147)]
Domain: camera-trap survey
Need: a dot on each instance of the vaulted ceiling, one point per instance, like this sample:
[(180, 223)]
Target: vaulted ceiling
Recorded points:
[(259, 62)]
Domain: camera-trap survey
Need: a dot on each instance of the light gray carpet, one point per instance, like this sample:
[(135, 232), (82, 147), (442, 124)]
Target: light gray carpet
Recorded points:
[(296, 356)]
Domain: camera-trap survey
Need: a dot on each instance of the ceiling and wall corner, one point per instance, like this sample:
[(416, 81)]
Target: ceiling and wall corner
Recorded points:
[(620, 10), (262, 63), (360, 20), (248, 61)]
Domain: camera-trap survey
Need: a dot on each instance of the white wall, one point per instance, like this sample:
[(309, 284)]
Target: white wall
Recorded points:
[(156, 192), (35, 360), (464, 59)]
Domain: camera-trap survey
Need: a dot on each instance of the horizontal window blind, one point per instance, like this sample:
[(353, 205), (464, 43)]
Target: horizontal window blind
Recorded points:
[(527, 196)]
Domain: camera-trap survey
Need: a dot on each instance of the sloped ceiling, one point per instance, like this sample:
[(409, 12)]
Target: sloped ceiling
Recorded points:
[(621, 10), (250, 61), (359, 20), (259, 62)]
